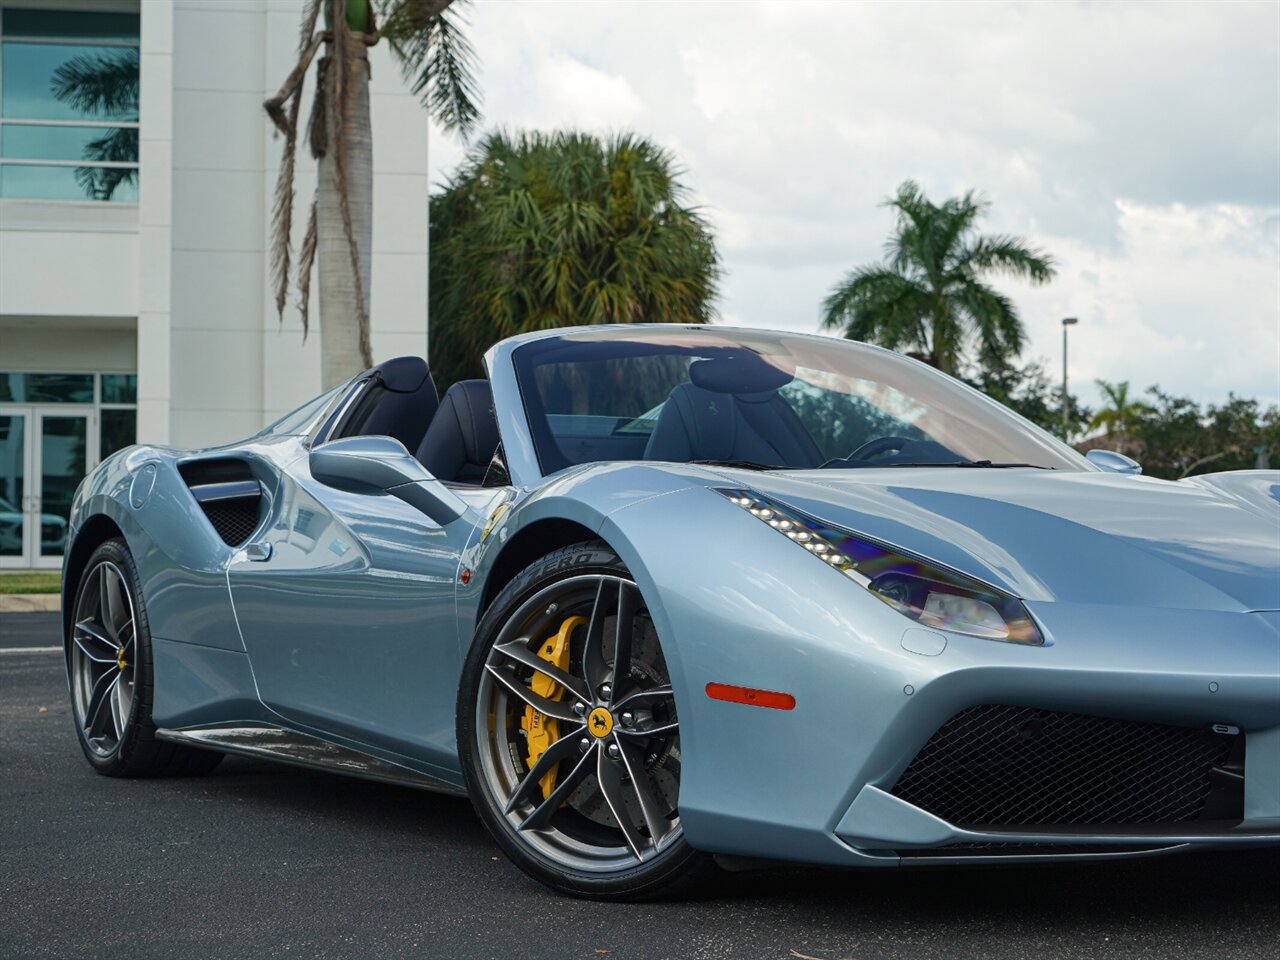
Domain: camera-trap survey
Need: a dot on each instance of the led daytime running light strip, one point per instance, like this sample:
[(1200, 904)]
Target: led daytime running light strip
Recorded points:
[(804, 531)]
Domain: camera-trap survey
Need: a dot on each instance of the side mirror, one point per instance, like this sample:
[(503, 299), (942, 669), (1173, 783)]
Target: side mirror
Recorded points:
[(377, 464), (1113, 462)]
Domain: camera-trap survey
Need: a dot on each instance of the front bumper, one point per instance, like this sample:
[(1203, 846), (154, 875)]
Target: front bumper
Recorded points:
[(815, 784)]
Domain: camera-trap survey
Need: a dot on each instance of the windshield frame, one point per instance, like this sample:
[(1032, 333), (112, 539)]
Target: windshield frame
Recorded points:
[(516, 420)]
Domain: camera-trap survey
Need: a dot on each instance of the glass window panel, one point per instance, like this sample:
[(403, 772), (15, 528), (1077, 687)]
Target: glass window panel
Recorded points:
[(13, 467), (61, 24), (43, 81), (119, 430), (30, 181), (62, 467), (28, 141), (46, 388), (119, 388)]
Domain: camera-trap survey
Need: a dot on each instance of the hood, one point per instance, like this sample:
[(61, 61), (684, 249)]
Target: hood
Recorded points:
[(1072, 537)]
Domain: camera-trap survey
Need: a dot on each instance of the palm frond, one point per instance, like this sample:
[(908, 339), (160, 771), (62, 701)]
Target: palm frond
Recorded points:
[(306, 261), (286, 123), (99, 85), (879, 305), (993, 321), (1009, 255), (435, 55)]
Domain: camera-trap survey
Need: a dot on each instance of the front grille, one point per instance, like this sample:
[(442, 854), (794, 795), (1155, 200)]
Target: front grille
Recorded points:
[(997, 765), (235, 520)]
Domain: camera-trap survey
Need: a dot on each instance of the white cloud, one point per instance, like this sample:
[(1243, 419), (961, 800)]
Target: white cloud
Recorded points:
[(1138, 142)]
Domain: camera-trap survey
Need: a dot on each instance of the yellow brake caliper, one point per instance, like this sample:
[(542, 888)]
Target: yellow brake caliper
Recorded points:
[(542, 730)]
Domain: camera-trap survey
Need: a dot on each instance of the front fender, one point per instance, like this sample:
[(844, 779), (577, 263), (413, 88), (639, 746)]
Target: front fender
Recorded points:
[(181, 560)]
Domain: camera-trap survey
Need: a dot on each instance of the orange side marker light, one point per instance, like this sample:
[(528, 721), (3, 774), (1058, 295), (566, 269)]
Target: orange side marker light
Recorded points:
[(750, 696)]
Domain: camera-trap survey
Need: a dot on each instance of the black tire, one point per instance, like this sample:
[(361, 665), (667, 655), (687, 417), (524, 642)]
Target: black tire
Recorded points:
[(136, 752), (674, 871)]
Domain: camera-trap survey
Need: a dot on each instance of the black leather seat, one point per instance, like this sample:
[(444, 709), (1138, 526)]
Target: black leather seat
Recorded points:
[(462, 438), (400, 402), (731, 410)]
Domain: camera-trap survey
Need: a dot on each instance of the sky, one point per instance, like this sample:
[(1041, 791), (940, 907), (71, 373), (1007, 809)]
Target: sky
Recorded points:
[(1137, 143)]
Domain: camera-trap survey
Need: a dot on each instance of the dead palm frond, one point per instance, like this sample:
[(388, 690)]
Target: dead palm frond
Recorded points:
[(425, 37)]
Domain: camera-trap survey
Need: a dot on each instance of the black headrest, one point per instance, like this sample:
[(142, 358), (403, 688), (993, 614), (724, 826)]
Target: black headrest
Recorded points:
[(401, 375), (741, 373)]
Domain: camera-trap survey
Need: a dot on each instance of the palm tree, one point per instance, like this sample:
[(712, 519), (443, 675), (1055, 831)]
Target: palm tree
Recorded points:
[(1119, 413), (424, 36), (929, 297), (547, 230), (103, 86)]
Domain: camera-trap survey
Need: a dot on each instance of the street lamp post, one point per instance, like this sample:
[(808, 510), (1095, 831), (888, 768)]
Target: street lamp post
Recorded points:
[(1066, 400)]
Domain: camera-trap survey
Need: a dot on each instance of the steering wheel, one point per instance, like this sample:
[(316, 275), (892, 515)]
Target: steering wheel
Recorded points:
[(878, 446)]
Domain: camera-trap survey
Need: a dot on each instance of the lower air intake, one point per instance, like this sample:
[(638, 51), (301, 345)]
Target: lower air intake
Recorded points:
[(1003, 766)]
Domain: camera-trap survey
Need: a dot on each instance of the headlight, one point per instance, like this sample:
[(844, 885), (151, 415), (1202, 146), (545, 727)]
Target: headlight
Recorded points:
[(926, 592)]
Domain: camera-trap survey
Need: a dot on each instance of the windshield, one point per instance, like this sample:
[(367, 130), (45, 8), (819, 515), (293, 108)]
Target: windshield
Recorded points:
[(765, 400), (298, 422)]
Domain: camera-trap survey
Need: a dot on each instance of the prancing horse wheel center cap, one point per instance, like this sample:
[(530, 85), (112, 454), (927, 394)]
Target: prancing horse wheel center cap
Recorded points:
[(600, 722)]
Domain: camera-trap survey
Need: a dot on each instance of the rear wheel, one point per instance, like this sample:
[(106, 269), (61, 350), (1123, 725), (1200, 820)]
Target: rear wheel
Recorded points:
[(568, 734), (110, 671)]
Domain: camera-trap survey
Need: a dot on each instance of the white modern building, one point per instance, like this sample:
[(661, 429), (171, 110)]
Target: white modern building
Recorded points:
[(137, 170)]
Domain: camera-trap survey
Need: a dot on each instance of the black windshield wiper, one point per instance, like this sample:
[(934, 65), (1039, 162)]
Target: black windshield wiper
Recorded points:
[(738, 464), (982, 464)]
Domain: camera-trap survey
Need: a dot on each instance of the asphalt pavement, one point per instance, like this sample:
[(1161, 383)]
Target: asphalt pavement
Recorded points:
[(257, 860)]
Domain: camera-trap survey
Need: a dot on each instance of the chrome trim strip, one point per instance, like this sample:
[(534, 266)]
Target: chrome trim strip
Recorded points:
[(227, 490), (332, 418), (300, 749)]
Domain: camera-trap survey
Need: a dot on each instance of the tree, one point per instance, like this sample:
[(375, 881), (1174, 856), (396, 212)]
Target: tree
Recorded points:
[(434, 55), (546, 230), (1176, 438), (1119, 412), (103, 86), (1028, 391), (928, 297)]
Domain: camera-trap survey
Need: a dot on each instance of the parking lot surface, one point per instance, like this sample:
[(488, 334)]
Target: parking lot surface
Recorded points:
[(258, 860)]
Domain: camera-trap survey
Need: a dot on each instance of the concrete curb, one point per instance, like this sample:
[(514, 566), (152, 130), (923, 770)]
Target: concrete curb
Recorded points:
[(30, 602)]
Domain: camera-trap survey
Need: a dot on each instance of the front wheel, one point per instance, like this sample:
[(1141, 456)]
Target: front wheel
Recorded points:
[(568, 734)]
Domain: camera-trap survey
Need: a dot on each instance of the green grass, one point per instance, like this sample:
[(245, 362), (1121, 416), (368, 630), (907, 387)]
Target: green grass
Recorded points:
[(30, 582)]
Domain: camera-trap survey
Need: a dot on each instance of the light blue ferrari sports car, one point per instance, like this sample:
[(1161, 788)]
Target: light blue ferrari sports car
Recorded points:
[(659, 598)]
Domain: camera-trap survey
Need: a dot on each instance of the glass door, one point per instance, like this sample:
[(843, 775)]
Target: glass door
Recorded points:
[(16, 537), (64, 446)]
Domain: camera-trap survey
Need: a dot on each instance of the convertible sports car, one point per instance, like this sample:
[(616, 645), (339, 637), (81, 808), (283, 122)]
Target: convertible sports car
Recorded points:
[(658, 598)]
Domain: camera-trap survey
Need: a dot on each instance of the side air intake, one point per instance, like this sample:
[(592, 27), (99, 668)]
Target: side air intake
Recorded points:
[(229, 495)]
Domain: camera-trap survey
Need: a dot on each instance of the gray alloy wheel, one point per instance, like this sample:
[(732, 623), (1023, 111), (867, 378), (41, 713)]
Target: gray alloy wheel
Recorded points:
[(109, 670), (568, 731), (103, 658)]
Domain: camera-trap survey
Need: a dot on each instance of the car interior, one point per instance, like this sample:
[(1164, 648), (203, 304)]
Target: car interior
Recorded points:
[(731, 410), (455, 437)]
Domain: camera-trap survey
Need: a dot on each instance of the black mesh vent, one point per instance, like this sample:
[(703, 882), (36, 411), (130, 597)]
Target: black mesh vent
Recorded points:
[(235, 520), (1018, 766)]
